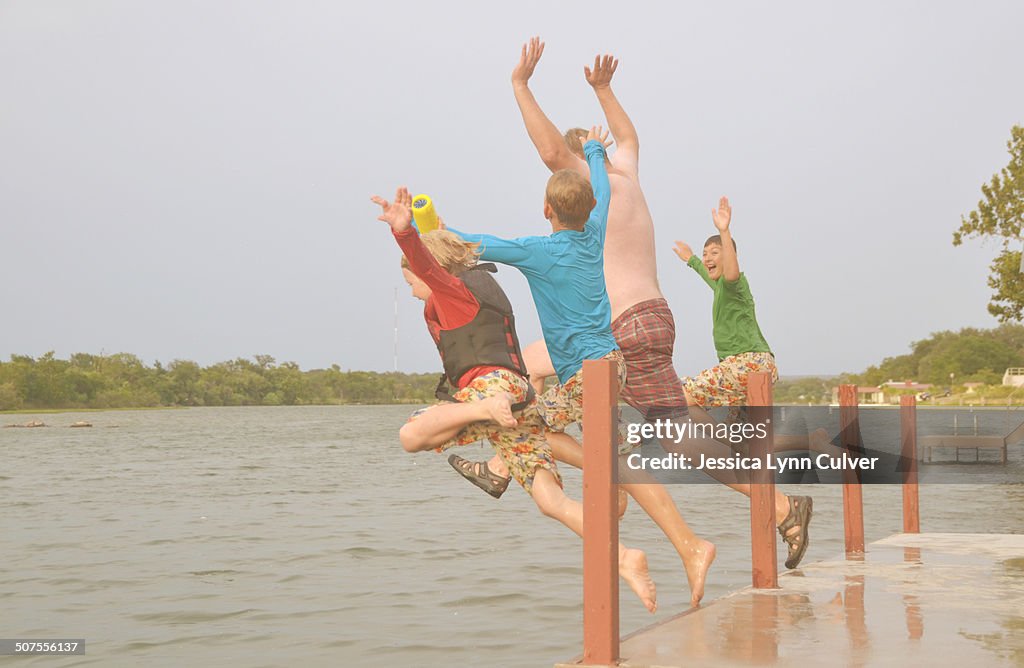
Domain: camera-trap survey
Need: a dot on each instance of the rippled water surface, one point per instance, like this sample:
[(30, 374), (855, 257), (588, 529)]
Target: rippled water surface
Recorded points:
[(305, 536)]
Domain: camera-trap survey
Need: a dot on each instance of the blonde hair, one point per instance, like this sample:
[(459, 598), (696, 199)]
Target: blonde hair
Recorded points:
[(450, 250), (572, 138), (570, 196)]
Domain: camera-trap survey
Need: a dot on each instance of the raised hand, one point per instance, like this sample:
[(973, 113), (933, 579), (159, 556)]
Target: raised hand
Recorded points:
[(722, 215), (597, 133), (528, 60), (683, 251), (601, 75), (397, 214)]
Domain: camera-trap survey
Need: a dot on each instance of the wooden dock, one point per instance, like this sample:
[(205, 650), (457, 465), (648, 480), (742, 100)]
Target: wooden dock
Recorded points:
[(911, 600)]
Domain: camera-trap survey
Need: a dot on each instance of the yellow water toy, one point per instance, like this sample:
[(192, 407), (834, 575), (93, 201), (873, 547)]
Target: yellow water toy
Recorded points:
[(424, 214)]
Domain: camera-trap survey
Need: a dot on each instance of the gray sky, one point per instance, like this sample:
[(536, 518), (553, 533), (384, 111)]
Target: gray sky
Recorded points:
[(192, 179)]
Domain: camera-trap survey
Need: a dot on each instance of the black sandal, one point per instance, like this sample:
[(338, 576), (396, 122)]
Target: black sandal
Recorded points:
[(800, 509), (480, 475)]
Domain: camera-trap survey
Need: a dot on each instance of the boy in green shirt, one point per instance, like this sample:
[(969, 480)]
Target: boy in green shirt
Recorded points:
[(739, 342), (742, 351)]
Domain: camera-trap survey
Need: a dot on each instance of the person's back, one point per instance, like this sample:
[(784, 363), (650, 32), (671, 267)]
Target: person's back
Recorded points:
[(630, 267), (565, 270)]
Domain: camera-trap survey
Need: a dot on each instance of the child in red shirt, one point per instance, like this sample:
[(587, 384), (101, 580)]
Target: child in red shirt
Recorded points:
[(471, 322)]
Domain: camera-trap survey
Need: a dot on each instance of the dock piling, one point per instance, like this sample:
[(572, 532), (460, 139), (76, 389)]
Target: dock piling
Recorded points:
[(764, 568), (853, 500), (600, 513), (908, 439)]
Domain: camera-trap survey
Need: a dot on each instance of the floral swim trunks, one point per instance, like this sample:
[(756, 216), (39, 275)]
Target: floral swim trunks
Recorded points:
[(562, 405), (726, 383), (523, 448)]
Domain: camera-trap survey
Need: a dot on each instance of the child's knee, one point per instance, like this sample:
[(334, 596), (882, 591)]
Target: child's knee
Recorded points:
[(546, 493), (410, 438)]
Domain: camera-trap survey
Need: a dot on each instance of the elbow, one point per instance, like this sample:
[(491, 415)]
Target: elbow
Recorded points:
[(551, 155)]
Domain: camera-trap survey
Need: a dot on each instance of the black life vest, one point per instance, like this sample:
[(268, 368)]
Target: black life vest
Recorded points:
[(489, 339)]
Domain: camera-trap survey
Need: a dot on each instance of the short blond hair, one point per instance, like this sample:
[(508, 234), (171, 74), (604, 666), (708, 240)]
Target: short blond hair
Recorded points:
[(570, 196), (572, 138), (450, 250)]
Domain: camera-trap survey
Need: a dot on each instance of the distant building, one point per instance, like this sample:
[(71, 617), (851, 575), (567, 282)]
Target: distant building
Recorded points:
[(1014, 376), (865, 395), (907, 385)]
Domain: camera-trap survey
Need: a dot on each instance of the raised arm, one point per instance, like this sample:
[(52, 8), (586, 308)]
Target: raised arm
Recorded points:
[(398, 215), (627, 155), (722, 216), (685, 253), (513, 252), (545, 136), (594, 150)]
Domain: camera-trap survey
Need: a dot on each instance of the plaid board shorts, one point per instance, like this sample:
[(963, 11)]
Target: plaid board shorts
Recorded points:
[(726, 383), (562, 405), (646, 333), (523, 448)]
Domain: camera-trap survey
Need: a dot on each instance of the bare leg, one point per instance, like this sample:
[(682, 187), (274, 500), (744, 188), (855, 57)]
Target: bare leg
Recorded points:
[(696, 553), (443, 422), (553, 502), (565, 449), (713, 448), (538, 364)]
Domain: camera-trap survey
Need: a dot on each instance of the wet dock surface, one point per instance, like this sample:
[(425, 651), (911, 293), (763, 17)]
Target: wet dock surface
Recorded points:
[(912, 599)]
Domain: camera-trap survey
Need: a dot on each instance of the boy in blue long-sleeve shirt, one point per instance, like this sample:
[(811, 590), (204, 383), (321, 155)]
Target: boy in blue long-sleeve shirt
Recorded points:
[(565, 271)]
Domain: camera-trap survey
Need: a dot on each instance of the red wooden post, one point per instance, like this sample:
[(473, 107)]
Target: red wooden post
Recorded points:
[(764, 565), (908, 437), (600, 513), (853, 502)]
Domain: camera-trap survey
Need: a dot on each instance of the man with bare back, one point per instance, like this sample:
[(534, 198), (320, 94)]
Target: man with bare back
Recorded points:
[(642, 322)]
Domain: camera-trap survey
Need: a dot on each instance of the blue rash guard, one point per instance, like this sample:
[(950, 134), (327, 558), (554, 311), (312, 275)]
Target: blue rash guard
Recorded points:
[(566, 275)]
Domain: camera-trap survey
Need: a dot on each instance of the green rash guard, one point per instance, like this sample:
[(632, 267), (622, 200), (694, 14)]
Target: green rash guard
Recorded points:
[(735, 323)]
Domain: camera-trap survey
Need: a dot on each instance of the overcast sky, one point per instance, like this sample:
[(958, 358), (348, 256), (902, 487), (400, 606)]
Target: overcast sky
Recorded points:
[(191, 180)]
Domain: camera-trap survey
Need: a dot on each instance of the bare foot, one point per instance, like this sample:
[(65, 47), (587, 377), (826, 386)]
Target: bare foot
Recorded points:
[(623, 502), (633, 569), (697, 570), (500, 409)]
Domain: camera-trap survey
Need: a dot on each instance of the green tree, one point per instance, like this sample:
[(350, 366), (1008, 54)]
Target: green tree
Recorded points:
[(1000, 214)]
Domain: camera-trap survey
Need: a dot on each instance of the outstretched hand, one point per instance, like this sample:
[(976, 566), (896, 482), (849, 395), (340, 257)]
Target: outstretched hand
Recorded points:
[(597, 133), (397, 214), (683, 251), (528, 60), (601, 75), (722, 215)]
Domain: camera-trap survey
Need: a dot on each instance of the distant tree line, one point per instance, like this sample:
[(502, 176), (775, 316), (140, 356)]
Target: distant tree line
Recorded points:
[(978, 355), (970, 355), (124, 381)]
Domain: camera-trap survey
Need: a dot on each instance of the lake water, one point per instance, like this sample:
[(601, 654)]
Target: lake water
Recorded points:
[(305, 536)]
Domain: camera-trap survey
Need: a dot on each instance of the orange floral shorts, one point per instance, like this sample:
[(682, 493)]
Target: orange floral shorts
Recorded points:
[(523, 448), (726, 383)]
